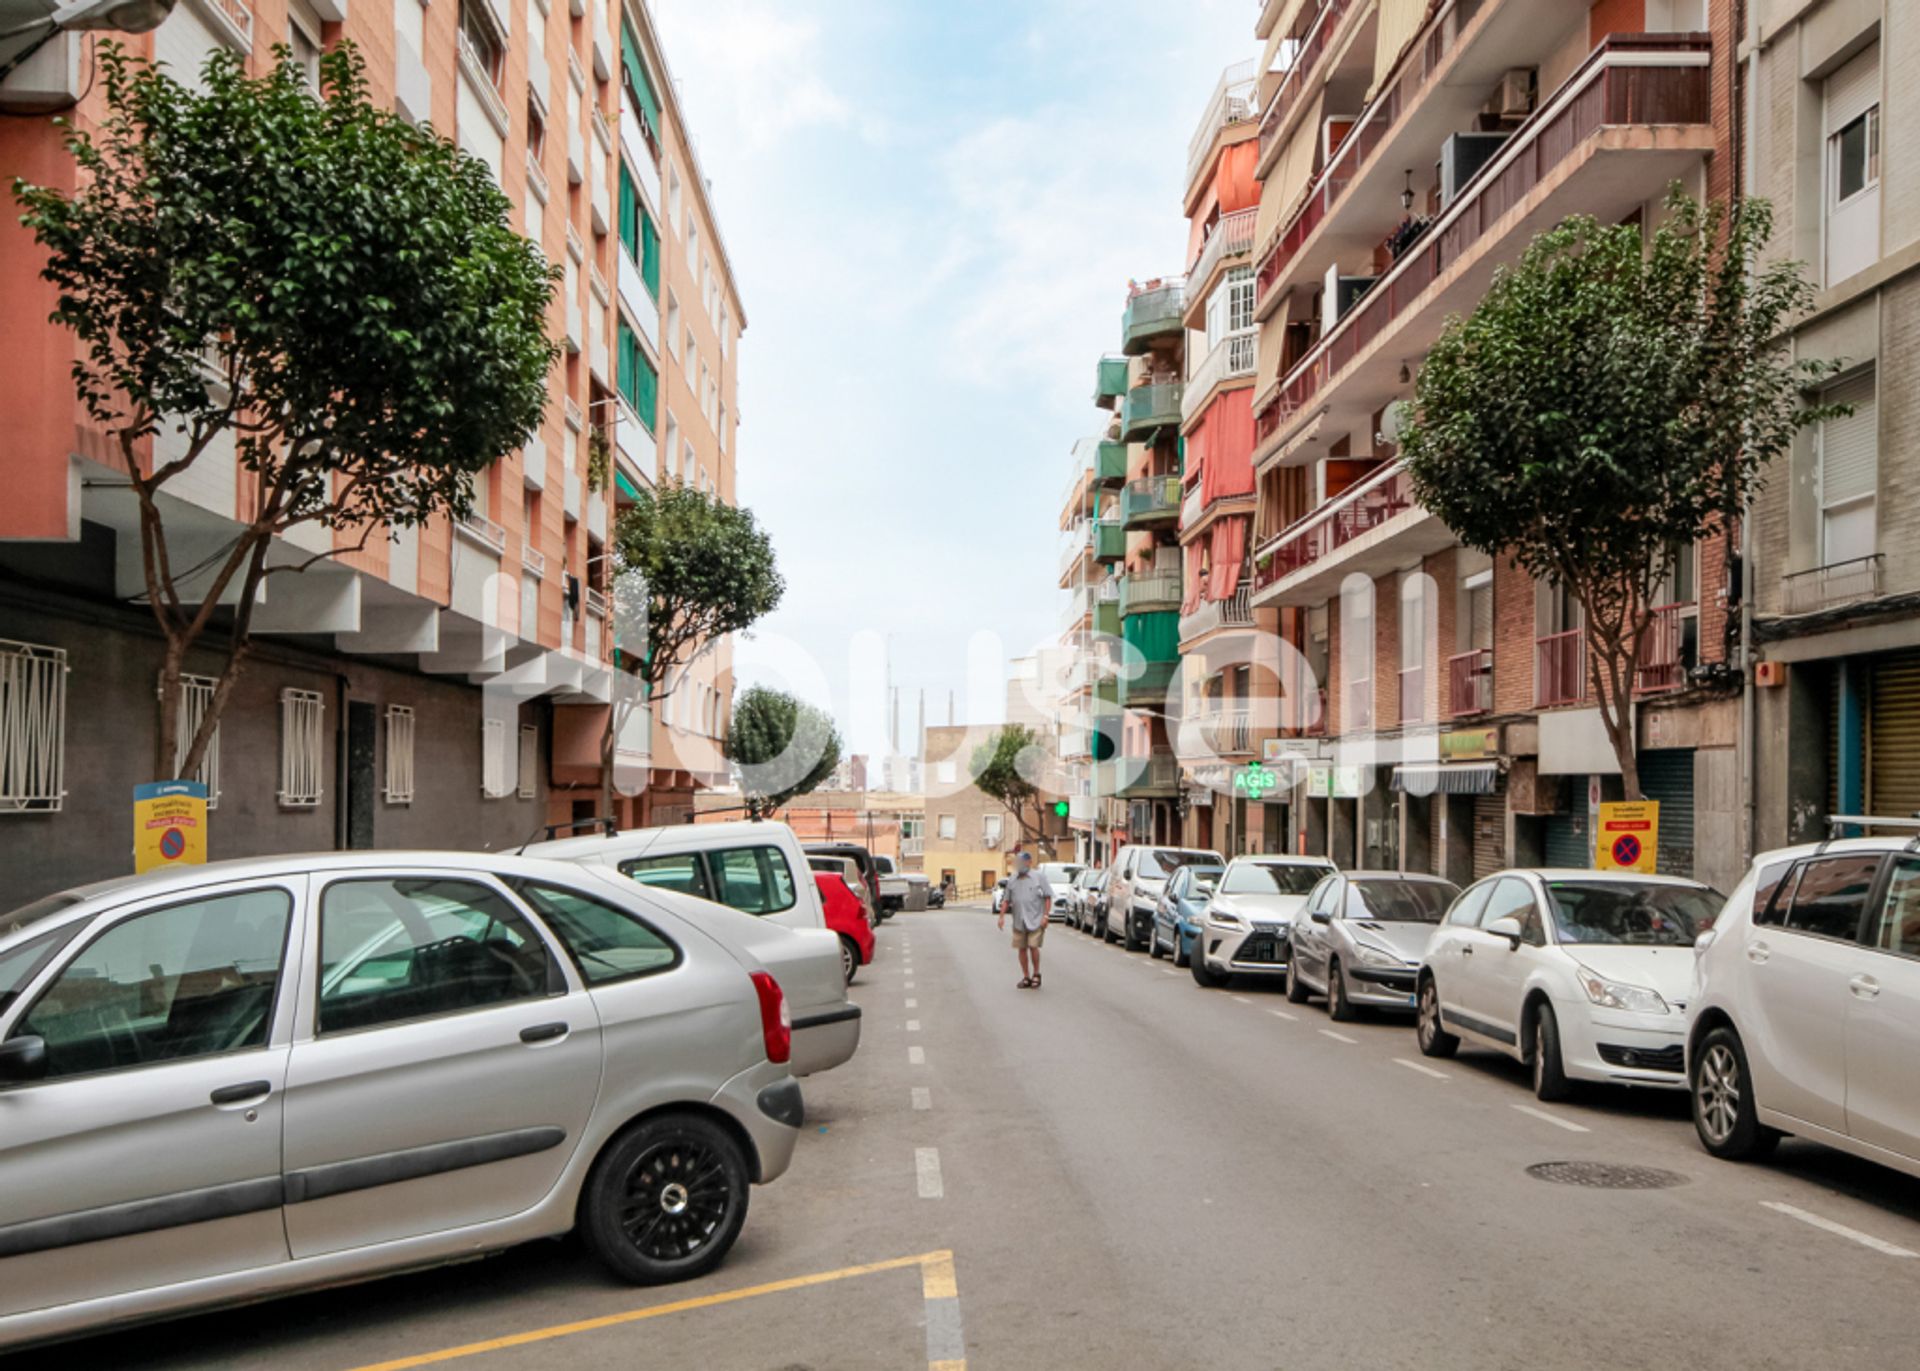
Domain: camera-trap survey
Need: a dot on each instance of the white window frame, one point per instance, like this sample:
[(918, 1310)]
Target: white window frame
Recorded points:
[(529, 761), (196, 695), (400, 772), (33, 728), (493, 758), (993, 830), (949, 827), (302, 748), (1869, 499)]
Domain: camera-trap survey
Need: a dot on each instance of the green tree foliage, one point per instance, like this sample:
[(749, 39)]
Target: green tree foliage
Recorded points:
[(1611, 401), (783, 746), (1008, 767), (310, 284)]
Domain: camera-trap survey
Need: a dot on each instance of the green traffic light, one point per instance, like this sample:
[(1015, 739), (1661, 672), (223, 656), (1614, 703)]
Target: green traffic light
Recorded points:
[(1061, 808)]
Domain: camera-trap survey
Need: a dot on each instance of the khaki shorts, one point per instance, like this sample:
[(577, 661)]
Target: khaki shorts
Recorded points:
[(1029, 937)]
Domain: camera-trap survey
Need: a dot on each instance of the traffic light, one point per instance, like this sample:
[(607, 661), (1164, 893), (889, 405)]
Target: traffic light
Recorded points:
[(1061, 808)]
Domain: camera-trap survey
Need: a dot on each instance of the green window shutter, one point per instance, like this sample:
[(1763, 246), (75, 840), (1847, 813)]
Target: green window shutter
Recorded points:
[(626, 353), (648, 403), (630, 214), (639, 83), (649, 252)]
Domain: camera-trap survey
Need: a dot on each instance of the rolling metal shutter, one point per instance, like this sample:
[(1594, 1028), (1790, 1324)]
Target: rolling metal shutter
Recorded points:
[(1565, 836), (1489, 834), (1667, 776), (1893, 736)]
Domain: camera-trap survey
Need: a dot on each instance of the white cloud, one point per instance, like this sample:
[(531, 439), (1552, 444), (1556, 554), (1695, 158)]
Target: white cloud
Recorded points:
[(767, 61)]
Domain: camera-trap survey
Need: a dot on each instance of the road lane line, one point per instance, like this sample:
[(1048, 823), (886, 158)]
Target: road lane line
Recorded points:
[(926, 1172), (1282, 1014), (916, 1056), (1542, 1114), (1839, 1230), (940, 1291), (922, 1097), (1170, 971), (913, 1025), (913, 1003), (1240, 999), (909, 985), (1423, 1070), (1339, 1037)]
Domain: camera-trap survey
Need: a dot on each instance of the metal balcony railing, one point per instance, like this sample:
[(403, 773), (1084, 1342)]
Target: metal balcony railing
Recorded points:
[(1300, 76), (1152, 313), (913, 847), (1227, 732), (1109, 540), (1365, 507), (1234, 612), (1837, 583), (1151, 407), (1470, 683), (1159, 770), (1232, 237), (1075, 546), (1560, 669), (1152, 591), (1150, 499), (1669, 650), (1234, 102), (1228, 360)]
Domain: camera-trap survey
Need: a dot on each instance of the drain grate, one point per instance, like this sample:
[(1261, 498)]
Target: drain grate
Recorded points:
[(1604, 1176)]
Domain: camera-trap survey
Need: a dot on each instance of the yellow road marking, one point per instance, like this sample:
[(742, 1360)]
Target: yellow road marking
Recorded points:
[(946, 1366), (654, 1311), (936, 1277)]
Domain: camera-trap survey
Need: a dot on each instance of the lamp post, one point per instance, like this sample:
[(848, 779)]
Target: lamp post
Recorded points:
[(80, 16)]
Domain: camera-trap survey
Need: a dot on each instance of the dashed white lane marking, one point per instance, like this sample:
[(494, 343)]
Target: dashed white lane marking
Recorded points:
[(1423, 1070), (1240, 999), (1169, 971), (909, 985), (913, 1025), (926, 1171), (916, 1056), (1542, 1114), (1339, 1037), (1282, 1014), (922, 1097), (913, 1004), (1885, 1249)]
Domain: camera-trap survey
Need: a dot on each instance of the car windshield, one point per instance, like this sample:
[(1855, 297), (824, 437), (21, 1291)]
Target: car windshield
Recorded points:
[(1157, 863), (1205, 879), (1397, 901), (1272, 878), (1059, 873), (1628, 912)]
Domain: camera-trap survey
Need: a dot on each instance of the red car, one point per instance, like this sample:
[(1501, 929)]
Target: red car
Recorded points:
[(847, 917)]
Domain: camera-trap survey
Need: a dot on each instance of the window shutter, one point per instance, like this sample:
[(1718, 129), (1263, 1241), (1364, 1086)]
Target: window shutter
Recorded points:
[(649, 254), (629, 214), (1853, 90), (639, 83), (1848, 445)]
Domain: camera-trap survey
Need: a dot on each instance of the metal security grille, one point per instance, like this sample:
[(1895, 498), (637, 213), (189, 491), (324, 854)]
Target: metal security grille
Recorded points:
[(196, 697), (33, 727), (399, 790), (493, 758), (302, 752), (529, 760), (1667, 776), (1893, 729)]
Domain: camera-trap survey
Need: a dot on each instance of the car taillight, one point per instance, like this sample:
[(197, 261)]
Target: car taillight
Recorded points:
[(776, 1020)]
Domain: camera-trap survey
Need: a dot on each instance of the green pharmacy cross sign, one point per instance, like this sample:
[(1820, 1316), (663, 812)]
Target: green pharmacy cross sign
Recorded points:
[(1255, 780), (1061, 808)]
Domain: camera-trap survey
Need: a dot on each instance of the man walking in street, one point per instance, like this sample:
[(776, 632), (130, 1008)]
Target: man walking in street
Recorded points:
[(1029, 900)]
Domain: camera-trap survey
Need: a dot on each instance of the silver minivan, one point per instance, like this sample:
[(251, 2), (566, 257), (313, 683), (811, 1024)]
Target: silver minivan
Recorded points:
[(254, 1077)]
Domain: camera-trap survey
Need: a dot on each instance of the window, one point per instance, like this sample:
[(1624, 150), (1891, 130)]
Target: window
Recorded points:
[(22, 962), (529, 761), (1513, 899), (415, 947), (639, 85), (991, 829), (1849, 472), (946, 828), (670, 450), (673, 195), (303, 40), (606, 942), (481, 42), (687, 459), (681, 872), (1466, 910), (1856, 156), (33, 727), (638, 237), (1899, 929), (949, 772), (1850, 120), (196, 695), (536, 131), (721, 428), (399, 755), (1639, 915), (191, 980), (493, 758), (693, 361), (1831, 895), (673, 324), (302, 748), (726, 326), (634, 374), (753, 880)]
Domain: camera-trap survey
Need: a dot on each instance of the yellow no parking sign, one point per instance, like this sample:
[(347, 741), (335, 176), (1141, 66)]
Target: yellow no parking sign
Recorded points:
[(1628, 837), (169, 825)]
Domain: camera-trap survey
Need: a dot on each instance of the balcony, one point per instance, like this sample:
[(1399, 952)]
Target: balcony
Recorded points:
[(533, 462), (1231, 359), (1157, 774), (1300, 78), (1631, 120), (1373, 528), (1109, 540), (1158, 590), (1074, 549), (1153, 316), (1833, 585), (1147, 684), (1150, 501), (1079, 606), (1234, 102), (1106, 609), (1149, 409), (1109, 461), (1470, 683), (1229, 244), (1110, 381), (1214, 615), (1227, 732), (1669, 651), (1560, 669)]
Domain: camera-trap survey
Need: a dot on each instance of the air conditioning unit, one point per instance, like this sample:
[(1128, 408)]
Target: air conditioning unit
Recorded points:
[(1461, 156), (1513, 96), (1342, 293)]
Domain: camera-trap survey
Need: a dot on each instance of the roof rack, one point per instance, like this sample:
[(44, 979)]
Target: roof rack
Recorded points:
[(1835, 822)]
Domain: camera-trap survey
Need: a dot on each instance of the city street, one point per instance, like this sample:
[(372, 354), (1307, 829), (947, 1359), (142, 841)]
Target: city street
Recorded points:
[(1124, 1170)]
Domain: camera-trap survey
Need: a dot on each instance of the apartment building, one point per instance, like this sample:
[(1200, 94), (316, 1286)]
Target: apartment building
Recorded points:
[(1436, 713), (1834, 542), (447, 685), (1093, 542)]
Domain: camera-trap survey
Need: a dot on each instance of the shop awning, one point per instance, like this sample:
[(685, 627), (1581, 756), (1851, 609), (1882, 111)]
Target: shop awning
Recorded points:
[(1461, 778)]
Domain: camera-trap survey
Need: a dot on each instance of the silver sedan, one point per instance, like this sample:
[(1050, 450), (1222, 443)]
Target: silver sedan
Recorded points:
[(330, 1067), (1360, 939)]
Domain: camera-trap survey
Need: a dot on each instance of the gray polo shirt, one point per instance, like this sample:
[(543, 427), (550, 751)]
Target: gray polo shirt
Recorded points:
[(1029, 899)]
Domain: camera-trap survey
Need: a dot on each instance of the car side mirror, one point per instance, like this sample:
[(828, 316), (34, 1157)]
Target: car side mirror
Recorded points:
[(1701, 943), (23, 1059), (1320, 916), (1509, 928)]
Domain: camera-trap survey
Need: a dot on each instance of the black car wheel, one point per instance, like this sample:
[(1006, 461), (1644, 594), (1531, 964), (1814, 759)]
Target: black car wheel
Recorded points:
[(1434, 1040), (1339, 1008), (1180, 957), (1724, 1111), (665, 1201), (1550, 1081)]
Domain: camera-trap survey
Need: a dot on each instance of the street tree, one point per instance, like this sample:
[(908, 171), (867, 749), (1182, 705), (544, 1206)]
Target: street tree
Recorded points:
[(783, 746), (1612, 400), (688, 569), (1009, 767), (299, 282)]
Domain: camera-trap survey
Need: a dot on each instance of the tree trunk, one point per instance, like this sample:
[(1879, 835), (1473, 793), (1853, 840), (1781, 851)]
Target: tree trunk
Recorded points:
[(166, 742), (607, 740)]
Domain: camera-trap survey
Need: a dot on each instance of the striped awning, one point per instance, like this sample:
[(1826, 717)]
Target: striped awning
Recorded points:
[(1461, 778)]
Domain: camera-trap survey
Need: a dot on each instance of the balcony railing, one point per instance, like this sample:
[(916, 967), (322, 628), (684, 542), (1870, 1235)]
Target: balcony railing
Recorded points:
[(1364, 508), (1560, 669), (1151, 499), (1300, 76), (1100, 458), (1413, 695), (596, 604), (1609, 89), (1669, 651), (484, 530), (1227, 732), (1228, 360), (1110, 381), (1234, 612), (1109, 540), (1233, 102), (1232, 237), (533, 562), (913, 847), (1077, 544), (1079, 605), (1159, 770), (1148, 682), (1154, 591), (1470, 683), (1151, 407), (1837, 583), (1151, 314)]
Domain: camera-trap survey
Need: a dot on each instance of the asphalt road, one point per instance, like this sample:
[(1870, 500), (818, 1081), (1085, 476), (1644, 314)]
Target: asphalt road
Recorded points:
[(1129, 1171)]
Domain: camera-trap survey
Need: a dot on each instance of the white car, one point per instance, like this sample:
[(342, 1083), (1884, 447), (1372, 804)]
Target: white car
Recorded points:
[(1135, 883), (1806, 1015), (758, 868), (1061, 876), (1248, 929), (1583, 975)]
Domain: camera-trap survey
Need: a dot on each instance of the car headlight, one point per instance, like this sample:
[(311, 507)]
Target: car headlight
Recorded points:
[(1614, 995), (1225, 918), (1368, 955)]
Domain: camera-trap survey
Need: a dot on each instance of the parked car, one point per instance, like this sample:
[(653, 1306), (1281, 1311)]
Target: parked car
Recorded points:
[(756, 868), (1361, 941), (999, 895), (1582, 975), (1061, 876), (1079, 898), (1134, 886), (1248, 926), (847, 917), (869, 869), (255, 1077), (898, 887), (1806, 1014), (1176, 916), (849, 869)]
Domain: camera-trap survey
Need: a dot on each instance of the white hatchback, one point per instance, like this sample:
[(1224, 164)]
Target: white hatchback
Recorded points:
[(1806, 1019), (1583, 975)]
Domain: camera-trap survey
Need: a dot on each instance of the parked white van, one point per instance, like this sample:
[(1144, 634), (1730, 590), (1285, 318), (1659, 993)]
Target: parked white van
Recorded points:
[(759, 869)]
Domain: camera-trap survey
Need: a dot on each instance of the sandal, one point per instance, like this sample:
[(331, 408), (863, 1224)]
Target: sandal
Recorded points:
[(1036, 982), (1026, 983)]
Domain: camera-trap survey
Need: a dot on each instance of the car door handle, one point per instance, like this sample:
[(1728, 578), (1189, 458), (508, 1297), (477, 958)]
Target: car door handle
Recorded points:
[(241, 1093), (1864, 988), (543, 1032), (1758, 952), (1467, 951)]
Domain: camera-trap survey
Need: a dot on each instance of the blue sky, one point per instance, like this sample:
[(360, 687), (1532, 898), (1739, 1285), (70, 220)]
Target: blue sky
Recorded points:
[(933, 209)]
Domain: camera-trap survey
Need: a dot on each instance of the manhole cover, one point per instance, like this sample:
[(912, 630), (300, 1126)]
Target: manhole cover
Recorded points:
[(1603, 1176)]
